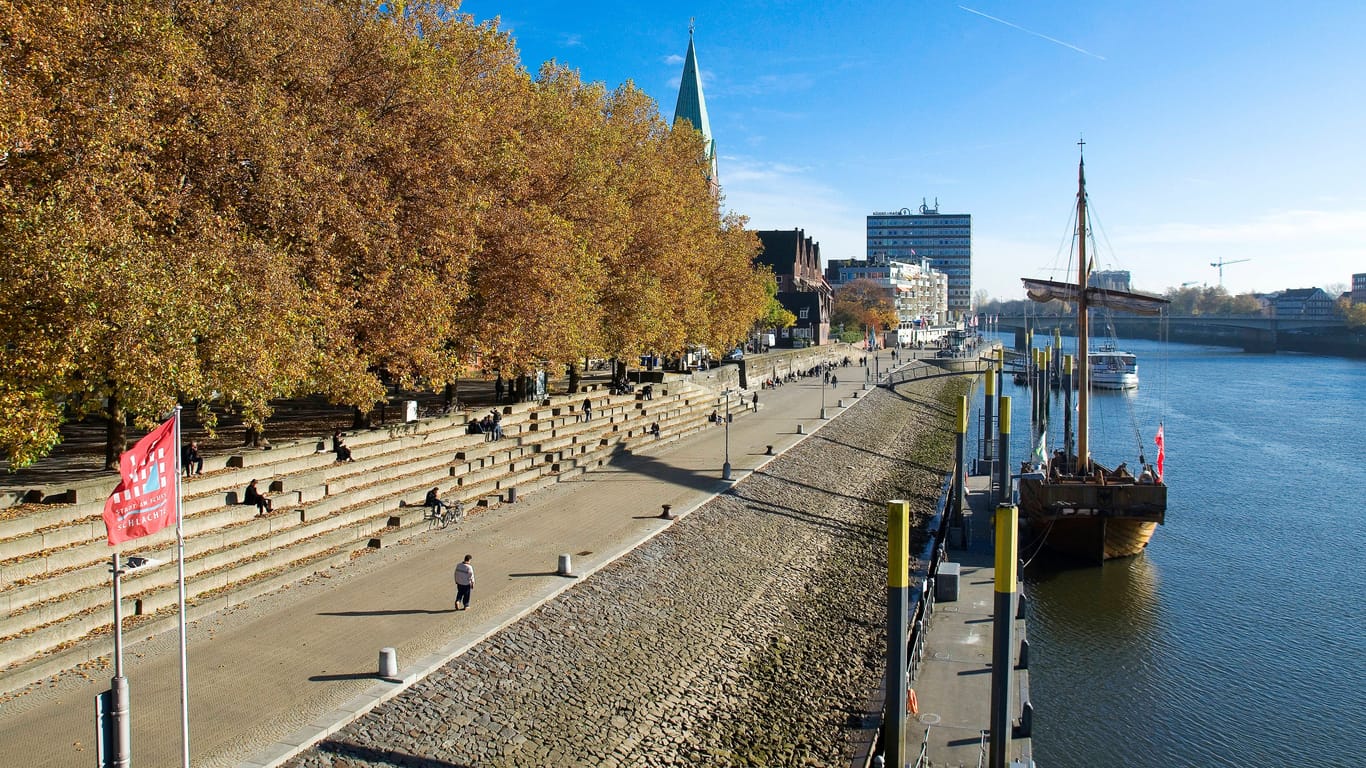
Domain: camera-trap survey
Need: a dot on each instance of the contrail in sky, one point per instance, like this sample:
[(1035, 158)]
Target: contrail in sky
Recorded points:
[(1032, 32)]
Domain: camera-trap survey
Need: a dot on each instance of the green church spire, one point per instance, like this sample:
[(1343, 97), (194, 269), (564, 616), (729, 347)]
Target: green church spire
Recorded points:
[(692, 106)]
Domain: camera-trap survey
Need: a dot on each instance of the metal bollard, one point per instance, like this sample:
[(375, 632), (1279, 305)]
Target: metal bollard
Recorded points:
[(1024, 654), (666, 514), (768, 450), (565, 568), (388, 663), (801, 430), (1026, 725)]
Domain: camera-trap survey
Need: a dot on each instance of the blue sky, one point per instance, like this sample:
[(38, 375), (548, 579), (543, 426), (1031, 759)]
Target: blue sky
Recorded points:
[(1214, 130)]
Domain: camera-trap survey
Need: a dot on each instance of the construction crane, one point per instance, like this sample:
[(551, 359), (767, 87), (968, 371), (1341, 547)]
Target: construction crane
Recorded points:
[(1220, 264)]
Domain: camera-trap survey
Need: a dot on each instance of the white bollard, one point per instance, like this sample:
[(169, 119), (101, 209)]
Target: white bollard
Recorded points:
[(565, 568), (388, 663)]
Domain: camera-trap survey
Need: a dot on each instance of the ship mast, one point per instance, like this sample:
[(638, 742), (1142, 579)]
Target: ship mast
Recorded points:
[(1083, 335)]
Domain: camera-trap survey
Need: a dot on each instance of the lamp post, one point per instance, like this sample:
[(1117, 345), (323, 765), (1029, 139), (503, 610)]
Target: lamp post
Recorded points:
[(725, 468), (823, 397)]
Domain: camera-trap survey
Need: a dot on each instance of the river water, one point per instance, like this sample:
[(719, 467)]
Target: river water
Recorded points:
[(1239, 637)]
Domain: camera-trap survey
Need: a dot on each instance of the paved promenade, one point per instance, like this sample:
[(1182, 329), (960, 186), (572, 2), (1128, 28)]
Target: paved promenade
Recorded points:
[(271, 675), (953, 684)]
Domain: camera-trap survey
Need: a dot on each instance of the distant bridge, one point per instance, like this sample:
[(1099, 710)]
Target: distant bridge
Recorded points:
[(1252, 333)]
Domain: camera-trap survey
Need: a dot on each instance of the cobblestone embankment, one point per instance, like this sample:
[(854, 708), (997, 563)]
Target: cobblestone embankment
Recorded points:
[(750, 633)]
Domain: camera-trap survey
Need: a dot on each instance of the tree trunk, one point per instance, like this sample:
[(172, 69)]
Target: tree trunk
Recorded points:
[(357, 418), (253, 437), (573, 378), (448, 396), (115, 432)]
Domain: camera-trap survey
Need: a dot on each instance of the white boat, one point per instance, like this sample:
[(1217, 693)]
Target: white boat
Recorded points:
[(1113, 369)]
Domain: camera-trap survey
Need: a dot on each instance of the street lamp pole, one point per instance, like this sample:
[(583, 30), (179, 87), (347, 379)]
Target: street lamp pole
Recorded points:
[(827, 373), (725, 468)]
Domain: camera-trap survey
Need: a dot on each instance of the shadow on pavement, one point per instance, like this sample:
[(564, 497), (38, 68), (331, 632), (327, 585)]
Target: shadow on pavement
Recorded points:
[(393, 612), (370, 755), (346, 676)]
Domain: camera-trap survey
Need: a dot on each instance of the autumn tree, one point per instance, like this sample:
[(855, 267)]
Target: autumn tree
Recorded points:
[(228, 205), (863, 303)]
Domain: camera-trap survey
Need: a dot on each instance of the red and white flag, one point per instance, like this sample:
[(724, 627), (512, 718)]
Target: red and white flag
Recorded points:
[(144, 500), (1161, 451)]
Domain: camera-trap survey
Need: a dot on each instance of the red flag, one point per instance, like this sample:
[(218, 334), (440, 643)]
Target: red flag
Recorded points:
[(1161, 451), (144, 500)]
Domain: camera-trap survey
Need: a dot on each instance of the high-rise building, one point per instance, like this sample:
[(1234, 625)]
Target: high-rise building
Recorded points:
[(1110, 280), (692, 107), (944, 239)]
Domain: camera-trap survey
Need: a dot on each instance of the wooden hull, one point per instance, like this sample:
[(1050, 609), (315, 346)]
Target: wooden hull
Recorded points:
[(1091, 521)]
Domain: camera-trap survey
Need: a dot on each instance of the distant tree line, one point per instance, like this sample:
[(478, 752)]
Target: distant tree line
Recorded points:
[(228, 203), (1184, 302)]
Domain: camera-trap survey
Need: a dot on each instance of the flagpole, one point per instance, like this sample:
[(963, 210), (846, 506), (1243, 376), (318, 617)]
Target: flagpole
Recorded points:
[(180, 581)]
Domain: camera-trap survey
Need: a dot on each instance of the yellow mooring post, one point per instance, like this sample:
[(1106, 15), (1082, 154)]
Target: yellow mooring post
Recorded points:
[(989, 420), (1066, 412), (898, 592), (1003, 631), (961, 461), (1003, 493)]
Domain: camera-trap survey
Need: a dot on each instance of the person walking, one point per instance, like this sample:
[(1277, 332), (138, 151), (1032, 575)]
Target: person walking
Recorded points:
[(588, 409), (464, 583)]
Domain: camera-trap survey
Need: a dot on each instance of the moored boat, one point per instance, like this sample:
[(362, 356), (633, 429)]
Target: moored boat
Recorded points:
[(1071, 504), (1113, 369)]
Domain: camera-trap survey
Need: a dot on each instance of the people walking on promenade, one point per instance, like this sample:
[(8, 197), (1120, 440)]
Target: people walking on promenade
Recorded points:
[(588, 409), (464, 583)]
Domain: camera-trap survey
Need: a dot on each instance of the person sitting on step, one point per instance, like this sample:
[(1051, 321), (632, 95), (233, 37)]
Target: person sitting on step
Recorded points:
[(190, 460), (253, 496), (339, 447), (434, 502)]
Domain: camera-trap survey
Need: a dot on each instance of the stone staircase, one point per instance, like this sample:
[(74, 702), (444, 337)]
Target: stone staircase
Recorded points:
[(55, 561)]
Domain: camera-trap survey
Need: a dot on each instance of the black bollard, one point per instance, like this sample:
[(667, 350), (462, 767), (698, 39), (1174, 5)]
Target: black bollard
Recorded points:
[(1026, 726)]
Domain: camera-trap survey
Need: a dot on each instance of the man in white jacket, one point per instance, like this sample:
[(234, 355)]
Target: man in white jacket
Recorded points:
[(464, 583)]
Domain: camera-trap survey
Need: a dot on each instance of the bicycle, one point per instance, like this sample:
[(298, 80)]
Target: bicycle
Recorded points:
[(449, 513)]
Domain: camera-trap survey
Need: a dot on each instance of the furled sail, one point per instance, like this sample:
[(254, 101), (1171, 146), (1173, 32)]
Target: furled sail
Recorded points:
[(1051, 290)]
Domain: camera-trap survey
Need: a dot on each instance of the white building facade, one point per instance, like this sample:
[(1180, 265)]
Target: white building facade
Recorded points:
[(944, 240)]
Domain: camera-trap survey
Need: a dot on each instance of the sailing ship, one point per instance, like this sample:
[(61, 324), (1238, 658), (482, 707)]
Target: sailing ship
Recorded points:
[(1070, 503)]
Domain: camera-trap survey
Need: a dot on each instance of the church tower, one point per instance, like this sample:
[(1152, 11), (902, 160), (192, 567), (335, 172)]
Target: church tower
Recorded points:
[(692, 107)]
